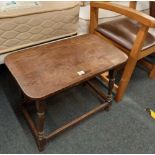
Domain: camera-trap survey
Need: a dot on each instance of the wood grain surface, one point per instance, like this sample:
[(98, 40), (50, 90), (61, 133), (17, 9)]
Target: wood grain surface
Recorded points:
[(44, 70)]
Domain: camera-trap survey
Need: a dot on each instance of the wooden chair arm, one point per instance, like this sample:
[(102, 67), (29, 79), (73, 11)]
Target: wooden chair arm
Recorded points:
[(129, 12)]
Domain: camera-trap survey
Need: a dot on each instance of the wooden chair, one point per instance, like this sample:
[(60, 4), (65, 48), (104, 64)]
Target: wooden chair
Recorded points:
[(134, 34), (149, 61)]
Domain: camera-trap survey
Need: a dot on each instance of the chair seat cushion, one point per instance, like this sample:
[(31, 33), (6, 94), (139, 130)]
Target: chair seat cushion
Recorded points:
[(123, 31)]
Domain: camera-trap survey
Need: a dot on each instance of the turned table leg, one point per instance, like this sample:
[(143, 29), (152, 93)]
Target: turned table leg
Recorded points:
[(110, 87), (41, 140)]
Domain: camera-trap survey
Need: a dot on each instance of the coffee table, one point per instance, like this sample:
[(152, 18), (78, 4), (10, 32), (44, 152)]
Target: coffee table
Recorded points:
[(48, 69)]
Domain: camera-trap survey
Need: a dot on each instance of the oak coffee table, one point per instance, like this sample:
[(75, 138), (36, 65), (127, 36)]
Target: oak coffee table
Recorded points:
[(45, 70)]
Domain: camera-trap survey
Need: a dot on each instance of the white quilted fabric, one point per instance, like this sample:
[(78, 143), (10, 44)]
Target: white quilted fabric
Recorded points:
[(22, 31), (9, 5)]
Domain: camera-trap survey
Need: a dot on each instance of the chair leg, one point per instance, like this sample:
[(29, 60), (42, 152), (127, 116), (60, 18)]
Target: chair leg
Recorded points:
[(152, 73), (129, 68), (149, 66)]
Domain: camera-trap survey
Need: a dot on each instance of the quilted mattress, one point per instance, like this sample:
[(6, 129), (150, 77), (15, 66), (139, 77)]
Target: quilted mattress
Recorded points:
[(23, 27)]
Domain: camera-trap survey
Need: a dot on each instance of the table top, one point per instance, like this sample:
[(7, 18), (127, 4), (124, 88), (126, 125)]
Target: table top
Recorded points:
[(44, 70)]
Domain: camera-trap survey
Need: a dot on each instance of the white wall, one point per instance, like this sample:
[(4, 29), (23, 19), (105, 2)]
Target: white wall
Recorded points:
[(85, 11)]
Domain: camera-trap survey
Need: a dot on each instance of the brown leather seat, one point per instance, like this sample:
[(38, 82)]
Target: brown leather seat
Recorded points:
[(131, 34), (123, 31)]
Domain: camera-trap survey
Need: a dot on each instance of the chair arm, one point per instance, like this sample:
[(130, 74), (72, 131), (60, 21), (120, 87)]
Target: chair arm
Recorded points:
[(129, 12)]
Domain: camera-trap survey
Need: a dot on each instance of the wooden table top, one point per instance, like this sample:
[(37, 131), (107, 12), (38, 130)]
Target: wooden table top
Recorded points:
[(44, 70)]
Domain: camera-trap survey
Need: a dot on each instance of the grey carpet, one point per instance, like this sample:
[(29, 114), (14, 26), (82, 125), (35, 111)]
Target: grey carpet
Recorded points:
[(126, 128)]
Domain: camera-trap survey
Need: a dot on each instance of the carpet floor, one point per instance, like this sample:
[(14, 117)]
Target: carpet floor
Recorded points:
[(126, 128)]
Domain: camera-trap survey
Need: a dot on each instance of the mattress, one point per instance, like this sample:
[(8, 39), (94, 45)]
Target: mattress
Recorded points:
[(27, 25)]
